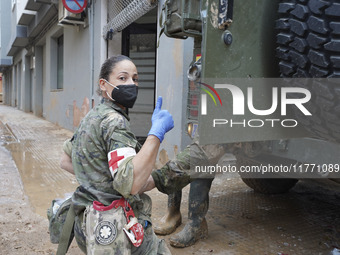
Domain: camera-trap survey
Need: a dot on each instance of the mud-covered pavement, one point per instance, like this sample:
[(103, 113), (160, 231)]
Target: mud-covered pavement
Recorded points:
[(304, 221)]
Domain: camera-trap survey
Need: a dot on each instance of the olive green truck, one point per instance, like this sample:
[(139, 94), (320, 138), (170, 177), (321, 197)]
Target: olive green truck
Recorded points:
[(264, 82)]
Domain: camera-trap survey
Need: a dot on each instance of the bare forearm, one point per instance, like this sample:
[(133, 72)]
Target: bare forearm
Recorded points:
[(66, 163), (150, 184), (143, 163)]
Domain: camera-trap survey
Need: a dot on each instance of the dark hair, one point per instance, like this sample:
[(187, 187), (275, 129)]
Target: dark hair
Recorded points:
[(108, 66)]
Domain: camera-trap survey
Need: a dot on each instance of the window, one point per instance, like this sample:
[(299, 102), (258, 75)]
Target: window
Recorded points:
[(57, 61), (60, 62)]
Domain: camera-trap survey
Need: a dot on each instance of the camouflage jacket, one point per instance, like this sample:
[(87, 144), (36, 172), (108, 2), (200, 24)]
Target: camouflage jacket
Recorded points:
[(104, 129)]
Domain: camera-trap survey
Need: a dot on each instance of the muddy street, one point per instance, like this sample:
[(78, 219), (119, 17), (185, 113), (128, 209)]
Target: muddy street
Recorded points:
[(304, 221)]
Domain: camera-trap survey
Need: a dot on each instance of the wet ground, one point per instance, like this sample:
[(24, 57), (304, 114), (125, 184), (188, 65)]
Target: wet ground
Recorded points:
[(304, 221)]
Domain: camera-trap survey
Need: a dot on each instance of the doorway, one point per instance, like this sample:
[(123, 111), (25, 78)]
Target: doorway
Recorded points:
[(139, 42)]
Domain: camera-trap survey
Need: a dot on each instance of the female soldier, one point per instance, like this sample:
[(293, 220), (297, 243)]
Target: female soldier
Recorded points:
[(108, 161)]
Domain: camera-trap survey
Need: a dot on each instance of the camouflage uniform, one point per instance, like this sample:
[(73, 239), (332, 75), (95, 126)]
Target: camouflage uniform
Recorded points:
[(106, 128), (176, 174)]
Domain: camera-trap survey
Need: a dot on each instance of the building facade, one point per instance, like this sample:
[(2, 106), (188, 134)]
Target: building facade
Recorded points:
[(51, 58)]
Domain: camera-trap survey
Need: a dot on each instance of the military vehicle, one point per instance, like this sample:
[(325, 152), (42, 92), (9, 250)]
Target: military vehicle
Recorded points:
[(264, 81)]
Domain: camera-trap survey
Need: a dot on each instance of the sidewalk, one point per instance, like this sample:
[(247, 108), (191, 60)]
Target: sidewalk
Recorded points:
[(30, 178), (36, 146)]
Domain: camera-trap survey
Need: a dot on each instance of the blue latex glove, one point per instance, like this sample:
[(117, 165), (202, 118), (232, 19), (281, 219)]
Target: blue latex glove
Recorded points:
[(162, 121)]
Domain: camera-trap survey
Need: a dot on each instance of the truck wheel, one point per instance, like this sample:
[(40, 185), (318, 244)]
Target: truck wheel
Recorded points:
[(270, 186), (308, 37), (273, 184)]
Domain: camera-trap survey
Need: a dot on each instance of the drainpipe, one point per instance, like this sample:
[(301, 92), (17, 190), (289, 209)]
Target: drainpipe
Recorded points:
[(91, 8)]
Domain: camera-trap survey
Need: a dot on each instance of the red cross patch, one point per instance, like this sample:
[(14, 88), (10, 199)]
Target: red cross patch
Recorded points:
[(116, 157)]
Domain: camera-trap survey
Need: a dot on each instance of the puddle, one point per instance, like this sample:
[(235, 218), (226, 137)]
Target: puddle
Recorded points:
[(6, 135), (42, 178)]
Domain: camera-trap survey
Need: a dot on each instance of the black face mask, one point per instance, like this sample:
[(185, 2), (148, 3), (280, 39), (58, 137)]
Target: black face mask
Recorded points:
[(124, 95)]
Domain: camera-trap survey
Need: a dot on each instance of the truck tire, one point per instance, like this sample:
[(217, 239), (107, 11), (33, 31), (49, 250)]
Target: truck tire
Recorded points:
[(308, 37), (270, 186)]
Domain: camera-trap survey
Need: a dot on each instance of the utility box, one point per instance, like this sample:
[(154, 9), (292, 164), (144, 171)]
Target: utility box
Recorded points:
[(68, 18)]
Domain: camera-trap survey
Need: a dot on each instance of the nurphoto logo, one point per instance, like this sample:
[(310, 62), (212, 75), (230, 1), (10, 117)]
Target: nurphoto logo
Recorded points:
[(204, 97), (240, 100)]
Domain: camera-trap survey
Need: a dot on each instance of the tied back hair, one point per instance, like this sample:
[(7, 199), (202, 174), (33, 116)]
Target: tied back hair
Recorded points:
[(107, 67)]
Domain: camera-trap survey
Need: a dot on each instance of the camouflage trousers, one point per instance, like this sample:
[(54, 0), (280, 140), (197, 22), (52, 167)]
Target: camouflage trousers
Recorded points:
[(181, 171), (151, 243)]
